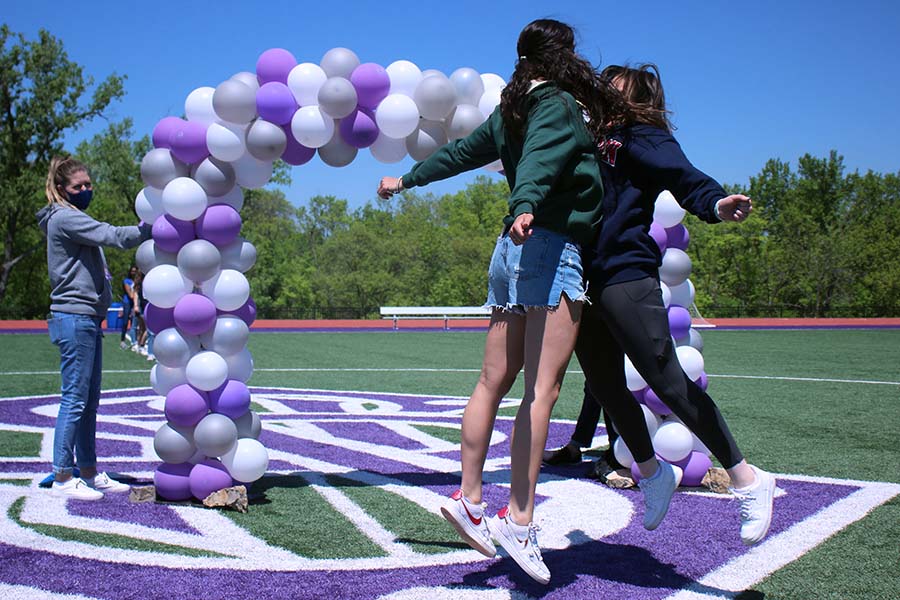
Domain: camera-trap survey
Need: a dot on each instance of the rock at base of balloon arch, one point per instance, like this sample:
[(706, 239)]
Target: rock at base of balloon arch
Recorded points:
[(234, 497), (143, 493), (619, 479), (717, 480)]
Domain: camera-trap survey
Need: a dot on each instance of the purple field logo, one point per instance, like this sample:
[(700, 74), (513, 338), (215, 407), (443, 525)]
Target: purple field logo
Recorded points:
[(405, 448)]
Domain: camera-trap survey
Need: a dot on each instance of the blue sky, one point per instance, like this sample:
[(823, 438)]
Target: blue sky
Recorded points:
[(748, 81)]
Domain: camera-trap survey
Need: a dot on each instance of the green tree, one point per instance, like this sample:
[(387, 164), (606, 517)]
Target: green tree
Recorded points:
[(41, 98)]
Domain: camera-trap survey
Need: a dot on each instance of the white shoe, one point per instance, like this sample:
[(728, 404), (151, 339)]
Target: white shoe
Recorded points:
[(124, 345), (756, 507), (150, 357), (658, 491), (470, 528), (135, 348), (526, 552), (142, 350), (104, 483), (76, 489)]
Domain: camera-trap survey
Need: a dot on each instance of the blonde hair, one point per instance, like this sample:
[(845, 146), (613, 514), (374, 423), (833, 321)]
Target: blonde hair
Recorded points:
[(61, 170)]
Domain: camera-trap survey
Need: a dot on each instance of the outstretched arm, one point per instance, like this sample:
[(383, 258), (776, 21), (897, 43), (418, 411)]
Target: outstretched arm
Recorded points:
[(736, 207)]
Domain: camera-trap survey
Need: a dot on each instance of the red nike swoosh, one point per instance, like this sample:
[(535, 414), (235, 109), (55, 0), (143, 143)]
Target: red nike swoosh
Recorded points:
[(471, 518)]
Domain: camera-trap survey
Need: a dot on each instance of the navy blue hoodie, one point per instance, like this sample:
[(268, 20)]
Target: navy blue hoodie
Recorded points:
[(637, 163)]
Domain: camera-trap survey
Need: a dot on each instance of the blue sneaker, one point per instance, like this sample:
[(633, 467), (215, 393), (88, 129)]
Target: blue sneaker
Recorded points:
[(658, 491)]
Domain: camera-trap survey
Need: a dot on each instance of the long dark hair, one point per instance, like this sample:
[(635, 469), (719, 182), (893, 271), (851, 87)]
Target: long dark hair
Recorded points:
[(547, 51), (643, 93)]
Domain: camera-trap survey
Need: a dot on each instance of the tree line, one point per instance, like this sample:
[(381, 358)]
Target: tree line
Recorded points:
[(821, 242)]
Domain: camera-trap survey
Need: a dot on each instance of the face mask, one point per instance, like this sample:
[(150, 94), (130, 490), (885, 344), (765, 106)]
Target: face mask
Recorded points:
[(82, 199)]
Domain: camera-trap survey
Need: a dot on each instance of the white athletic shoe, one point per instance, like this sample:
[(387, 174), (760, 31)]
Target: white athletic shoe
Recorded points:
[(76, 489), (471, 528), (135, 347), (124, 345), (658, 491), (104, 483), (756, 507), (142, 350), (526, 552)]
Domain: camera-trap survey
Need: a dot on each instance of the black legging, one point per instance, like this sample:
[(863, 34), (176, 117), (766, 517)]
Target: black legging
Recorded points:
[(586, 426), (630, 318)]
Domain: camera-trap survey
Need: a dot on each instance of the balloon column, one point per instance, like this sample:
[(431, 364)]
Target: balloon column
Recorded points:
[(672, 441), (198, 297)]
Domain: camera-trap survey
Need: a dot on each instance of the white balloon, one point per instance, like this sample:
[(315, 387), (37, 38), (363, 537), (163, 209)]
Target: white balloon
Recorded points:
[(199, 106), (490, 100), (695, 340), (312, 127), (667, 212), (234, 198), (683, 293), (666, 294), (305, 80), (148, 204), (229, 290), (247, 78), (652, 420), (239, 255), (675, 268), (633, 379), (435, 96), (184, 199), (397, 116), (494, 167), (622, 453), (173, 348), (700, 446), (691, 361), (387, 149), (240, 365), (164, 379), (673, 441), (492, 81), (206, 370), (464, 119), (422, 143), (226, 141), (404, 76), (164, 285), (468, 84), (252, 173), (247, 460)]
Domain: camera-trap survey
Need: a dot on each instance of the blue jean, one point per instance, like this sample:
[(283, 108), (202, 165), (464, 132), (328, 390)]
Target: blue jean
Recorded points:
[(80, 342)]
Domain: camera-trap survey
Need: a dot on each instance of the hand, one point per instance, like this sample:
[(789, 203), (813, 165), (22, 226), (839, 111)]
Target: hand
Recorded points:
[(521, 229), (736, 207), (389, 186)]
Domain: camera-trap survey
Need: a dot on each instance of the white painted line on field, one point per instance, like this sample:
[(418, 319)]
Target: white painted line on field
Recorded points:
[(811, 379)]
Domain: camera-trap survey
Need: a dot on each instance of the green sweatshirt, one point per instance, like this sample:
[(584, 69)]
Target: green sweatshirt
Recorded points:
[(552, 172)]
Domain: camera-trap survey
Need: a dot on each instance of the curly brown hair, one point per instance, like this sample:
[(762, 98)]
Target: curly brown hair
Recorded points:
[(546, 50), (642, 90)]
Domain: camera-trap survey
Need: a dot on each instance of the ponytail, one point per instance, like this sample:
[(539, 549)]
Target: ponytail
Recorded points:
[(58, 176)]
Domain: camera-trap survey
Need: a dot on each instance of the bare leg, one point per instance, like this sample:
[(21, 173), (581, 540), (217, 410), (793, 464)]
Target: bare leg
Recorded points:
[(503, 356), (549, 341), (742, 475)]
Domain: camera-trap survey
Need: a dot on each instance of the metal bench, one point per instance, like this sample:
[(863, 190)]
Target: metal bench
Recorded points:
[(433, 312)]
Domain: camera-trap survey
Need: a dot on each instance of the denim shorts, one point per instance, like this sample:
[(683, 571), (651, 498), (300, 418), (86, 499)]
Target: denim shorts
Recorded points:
[(535, 274)]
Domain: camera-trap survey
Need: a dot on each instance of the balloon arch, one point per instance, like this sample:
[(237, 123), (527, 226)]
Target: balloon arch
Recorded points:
[(198, 299)]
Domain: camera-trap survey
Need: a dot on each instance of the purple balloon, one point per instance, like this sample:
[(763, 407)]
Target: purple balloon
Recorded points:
[(372, 84), (231, 399), (639, 395), (655, 404), (274, 64), (658, 233), (219, 224), (702, 381), (171, 234), (173, 481), (157, 318), (164, 130), (635, 472), (677, 237), (186, 406), (695, 466), (359, 128), (194, 314), (295, 153), (188, 142), (246, 313), (679, 322), (207, 477), (275, 102)]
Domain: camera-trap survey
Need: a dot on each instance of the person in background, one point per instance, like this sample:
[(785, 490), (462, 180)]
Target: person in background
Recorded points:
[(129, 301), (80, 295)]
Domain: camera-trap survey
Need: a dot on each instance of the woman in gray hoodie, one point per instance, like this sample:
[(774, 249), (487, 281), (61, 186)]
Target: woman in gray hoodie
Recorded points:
[(79, 298)]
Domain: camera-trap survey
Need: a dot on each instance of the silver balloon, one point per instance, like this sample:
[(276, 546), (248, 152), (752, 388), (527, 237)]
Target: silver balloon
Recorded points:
[(240, 365), (425, 140), (215, 434), (174, 444), (235, 102), (337, 97), (435, 96), (199, 260), (337, 152), (431, 73), (468, 84), (248, 425), (239, 255), (159, 167), (339, 62), (216, 177), (228, 336), (265, 141), (173, 348), (463, 121), (247, 78), (149, 255)]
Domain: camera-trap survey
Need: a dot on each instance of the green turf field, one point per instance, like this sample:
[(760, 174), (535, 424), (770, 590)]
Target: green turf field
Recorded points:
[(814, 402)]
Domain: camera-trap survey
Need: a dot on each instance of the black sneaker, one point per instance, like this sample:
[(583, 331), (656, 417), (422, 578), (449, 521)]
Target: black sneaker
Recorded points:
[(567, 455)]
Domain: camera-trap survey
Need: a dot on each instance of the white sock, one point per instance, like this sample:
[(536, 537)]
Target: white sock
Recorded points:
[(476, 510), (520, 531)]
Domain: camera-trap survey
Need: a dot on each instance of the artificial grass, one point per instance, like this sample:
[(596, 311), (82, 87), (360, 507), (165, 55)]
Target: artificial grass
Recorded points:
[(448, 434), (20, 443)]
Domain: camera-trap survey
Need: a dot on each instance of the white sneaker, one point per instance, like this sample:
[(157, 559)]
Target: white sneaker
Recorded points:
[(526, 552), (124, 345), (470, 528), (658, 492), (76, 489), (142, 350), (135, 348), (104, 483), (756, 507), (150, 357)]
